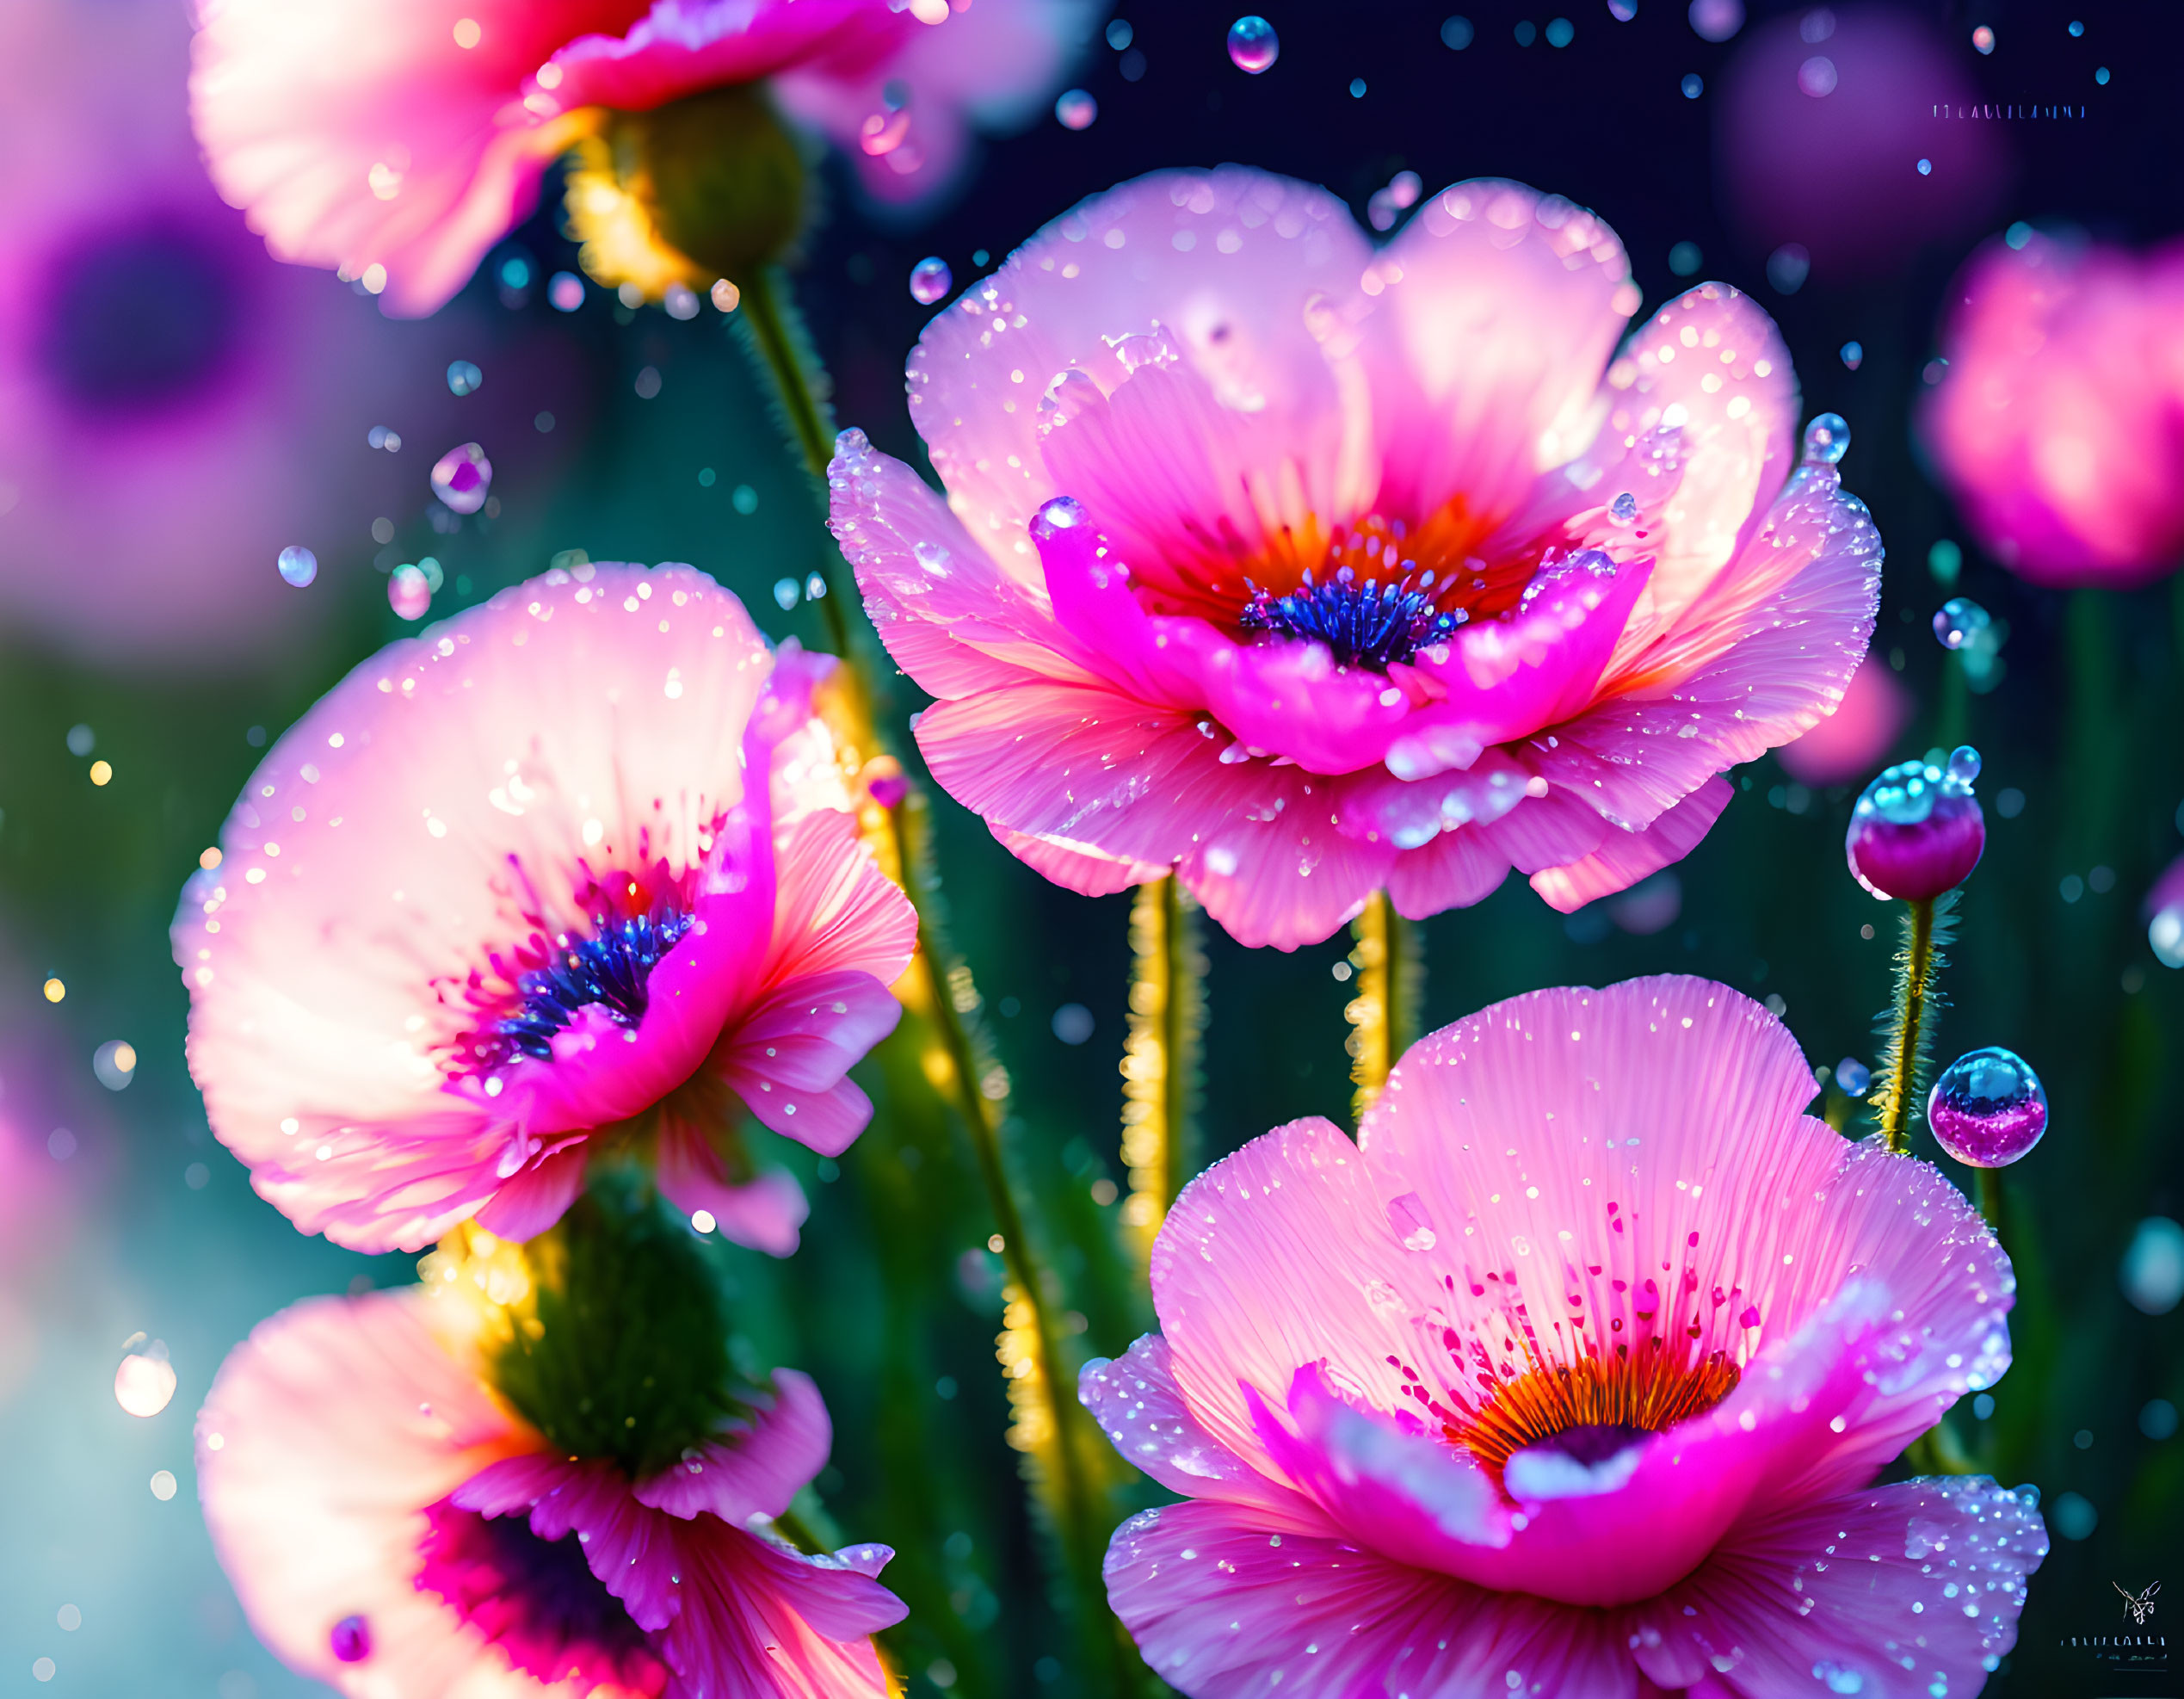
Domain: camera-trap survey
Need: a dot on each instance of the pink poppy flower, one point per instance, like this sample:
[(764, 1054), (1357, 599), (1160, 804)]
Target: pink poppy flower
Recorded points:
[(1305, 570), (2059, 426), (392, 1528), (1573, 1374), (413, 136), (570, 869)]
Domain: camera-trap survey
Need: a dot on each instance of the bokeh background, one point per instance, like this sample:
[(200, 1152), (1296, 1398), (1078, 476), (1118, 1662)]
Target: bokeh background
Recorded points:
[(174, 409)]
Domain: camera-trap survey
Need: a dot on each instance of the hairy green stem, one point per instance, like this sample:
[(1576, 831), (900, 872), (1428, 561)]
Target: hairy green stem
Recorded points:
[(1911, 1018), (1384, 1015), (1161, 1059)]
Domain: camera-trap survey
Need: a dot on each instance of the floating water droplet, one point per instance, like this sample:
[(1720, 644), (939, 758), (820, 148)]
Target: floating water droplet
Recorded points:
[(463, 377), (351, 1639), (1827, 440), (1854, 1076), (1984, 38), (1988, 1109), (1717, 20), (930, 280), (1854, 355), (1916, 830), (461, 476), (1964, 765), (786, 593), (1959, 621), (2165, 936), (680, 301), (1253, 44), (565, 291), (2153, 1267), (1624, 509), (145, 1383), (299, 566), (1075, 109), (409, 592)]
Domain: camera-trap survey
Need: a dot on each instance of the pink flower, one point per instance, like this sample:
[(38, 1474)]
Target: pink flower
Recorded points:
[(412, 136), (2059, 427), (391, 1528), (1305, 570), (1848, 743), (516, 889), (1574, 1372), (163, 387)]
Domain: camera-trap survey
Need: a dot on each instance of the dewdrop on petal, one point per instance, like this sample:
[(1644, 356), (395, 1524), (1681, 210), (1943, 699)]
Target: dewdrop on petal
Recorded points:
[(1917, 829)]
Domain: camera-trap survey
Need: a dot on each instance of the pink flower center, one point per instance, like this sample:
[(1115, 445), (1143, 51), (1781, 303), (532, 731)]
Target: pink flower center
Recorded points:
[(537, 1600), (1375, 590), (1590, 1409), (529, 991)]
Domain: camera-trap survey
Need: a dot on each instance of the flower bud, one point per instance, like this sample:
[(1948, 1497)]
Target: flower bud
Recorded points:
[(1917, 829)]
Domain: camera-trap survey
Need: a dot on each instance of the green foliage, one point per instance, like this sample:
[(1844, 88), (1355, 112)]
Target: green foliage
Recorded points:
[(624, 1353)]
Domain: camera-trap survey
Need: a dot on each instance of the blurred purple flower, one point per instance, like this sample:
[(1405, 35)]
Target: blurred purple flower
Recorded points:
[(1822, 118)]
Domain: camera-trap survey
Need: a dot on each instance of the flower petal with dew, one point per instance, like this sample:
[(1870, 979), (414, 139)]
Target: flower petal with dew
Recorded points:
[(570, 870), (1574, 1372), (390, 1528), (2059, 424), (1304, 569), (411, 137)]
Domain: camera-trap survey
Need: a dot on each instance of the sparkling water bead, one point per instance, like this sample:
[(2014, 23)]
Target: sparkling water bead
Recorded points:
[(930, 280), (409, 592), (2165, 936), (1917, 830), (351, 1639), (299, 566), (1075, 109), (1827, 440), (463, 378), (1959, 622), (1854, 1076), (1253, 44), (461, 476), (1988, 1109)]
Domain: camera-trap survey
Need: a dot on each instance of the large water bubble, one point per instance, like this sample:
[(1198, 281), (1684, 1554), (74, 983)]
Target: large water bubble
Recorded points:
[(1253, 44), (1987, 1109)]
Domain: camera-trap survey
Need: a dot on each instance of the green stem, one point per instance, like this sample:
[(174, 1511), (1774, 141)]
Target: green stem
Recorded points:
[(1184, 1032), (1081, 1529), (1911, 1027), (1384, 1014), (1160, 1064), (1990, 1197), (774, 337)]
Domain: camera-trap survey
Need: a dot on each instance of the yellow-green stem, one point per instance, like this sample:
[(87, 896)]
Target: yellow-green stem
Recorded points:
[(1390, 962), (1910, 1030), (1160, 1062), (960, 1075)]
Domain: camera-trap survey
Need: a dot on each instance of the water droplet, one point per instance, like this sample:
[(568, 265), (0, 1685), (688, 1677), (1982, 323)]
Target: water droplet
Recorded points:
[(2165, 935), (463, 377), (1717, 20), (1854, 1076), (299, 566), (145, 1383), (461, 476), (2153, 1268), (1959, 621), (351, 1639), (1075, 109), (1988, 1109), (1984, 38), (1624, 509), (1693, 85), (1827, 440), (1854, 355), (409, 592), (786, 592), (565, 291), (1964, 765), (930, 280), (1253, 44)]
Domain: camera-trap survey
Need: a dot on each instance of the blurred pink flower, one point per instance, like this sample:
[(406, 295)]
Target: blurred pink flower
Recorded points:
[(1821, 120), (413, 135), (391, 1528), (1850, 742), (1574, 1372), (504, 893), (1305, 570), (168, 396), (2059, 426)]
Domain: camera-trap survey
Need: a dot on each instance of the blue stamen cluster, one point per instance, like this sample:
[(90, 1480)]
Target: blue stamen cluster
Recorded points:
[(1367, 624), (609, 969)]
